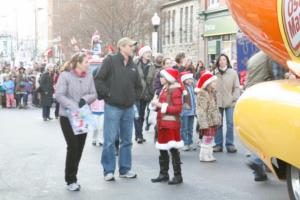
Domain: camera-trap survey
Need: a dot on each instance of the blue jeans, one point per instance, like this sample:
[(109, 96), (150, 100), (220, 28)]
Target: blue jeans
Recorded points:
[(187, 125), (117, 123), (229, 125)]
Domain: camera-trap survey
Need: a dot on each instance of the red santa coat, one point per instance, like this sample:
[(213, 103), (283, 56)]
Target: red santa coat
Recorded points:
[(168, 118)]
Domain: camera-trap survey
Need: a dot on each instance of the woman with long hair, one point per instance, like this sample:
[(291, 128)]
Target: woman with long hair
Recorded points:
[(75, 88), (228, 92)]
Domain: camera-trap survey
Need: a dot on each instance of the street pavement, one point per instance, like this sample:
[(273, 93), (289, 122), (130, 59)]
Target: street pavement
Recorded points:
[(32, 158)]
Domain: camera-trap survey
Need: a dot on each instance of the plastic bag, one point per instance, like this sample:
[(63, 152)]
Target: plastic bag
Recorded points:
[(82, 120)]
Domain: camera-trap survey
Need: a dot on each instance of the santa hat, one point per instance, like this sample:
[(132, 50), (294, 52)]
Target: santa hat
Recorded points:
[(185, 76), (172, 75), (205, 80), (144, 50)]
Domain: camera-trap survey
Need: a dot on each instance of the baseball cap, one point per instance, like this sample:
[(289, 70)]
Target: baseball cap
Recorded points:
[(126, 41)]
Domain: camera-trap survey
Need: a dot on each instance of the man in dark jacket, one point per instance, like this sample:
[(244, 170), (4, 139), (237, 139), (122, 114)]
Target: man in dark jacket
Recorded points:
[(180, 62), (146, 71), (46, 88), (118, 83)]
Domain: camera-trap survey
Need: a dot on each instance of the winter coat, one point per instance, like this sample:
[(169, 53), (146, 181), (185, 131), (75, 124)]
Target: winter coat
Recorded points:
[(46, 89), (207, 110), (168, 118), (21, 83), (189, 102), (259, 69), (157, 86), (228, 88), (117, 84), (9, 87), (71, 88), (147, 75)]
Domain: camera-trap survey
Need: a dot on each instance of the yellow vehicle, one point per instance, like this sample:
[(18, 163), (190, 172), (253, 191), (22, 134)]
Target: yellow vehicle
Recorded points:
[(267, 116), (267, 119)]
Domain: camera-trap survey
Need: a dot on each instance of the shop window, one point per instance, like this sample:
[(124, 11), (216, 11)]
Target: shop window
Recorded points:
[(216, 37), (213, 4), (226, 37)]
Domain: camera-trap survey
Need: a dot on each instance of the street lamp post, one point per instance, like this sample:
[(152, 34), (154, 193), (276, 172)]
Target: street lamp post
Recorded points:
[(155, 40)]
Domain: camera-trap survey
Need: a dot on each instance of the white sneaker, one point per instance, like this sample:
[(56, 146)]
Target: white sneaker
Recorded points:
[(73, 187), (193, 147), (109, 177), (129, 175), (186, 148), (199, 143)]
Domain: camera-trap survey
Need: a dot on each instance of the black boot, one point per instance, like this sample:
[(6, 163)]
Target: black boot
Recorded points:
[(177, 168), (164, 168)]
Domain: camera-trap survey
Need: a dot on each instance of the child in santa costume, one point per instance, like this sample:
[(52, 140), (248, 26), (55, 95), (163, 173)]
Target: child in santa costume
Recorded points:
[(208, 114), (169, 107), (188, 111)]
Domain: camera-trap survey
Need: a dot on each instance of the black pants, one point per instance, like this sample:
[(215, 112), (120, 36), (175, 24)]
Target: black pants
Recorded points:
[(46, 112), (75, 145), (56, 108), (138, 123), (35, 98), (19, 99)]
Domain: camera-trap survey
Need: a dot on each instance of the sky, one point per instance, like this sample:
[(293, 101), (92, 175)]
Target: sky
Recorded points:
[(17, 14)]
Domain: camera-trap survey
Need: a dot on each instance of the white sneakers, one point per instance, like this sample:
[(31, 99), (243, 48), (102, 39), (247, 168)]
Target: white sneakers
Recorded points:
[(186, 148), (73, 187), (206, 153), (109, 177), (128, 175), (189, 148)]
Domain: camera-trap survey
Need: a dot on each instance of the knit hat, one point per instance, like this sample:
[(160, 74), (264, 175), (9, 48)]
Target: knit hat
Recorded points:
[(172, 75), (144, 50), (205, 80)]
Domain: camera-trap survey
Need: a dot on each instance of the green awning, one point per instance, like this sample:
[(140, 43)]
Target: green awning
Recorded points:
[(220, 26)]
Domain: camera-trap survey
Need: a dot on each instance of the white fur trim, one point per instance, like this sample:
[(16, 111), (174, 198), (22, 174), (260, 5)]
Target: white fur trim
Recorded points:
[(186, 77), (209, 81), (197, 90), (170, 145), (185, 92), (164, 107), (169, 78)]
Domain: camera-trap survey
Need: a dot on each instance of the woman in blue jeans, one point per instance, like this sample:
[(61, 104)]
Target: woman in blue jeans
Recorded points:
[(228, 92)]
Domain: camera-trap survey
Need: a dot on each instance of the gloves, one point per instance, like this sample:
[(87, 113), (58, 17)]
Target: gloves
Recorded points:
[(81, 103)]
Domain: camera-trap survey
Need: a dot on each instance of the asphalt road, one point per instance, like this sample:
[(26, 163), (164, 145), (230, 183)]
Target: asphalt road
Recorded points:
[(32, 157)]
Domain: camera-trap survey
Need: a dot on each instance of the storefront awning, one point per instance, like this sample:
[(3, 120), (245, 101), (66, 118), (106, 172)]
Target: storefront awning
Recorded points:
[(220, 26)]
